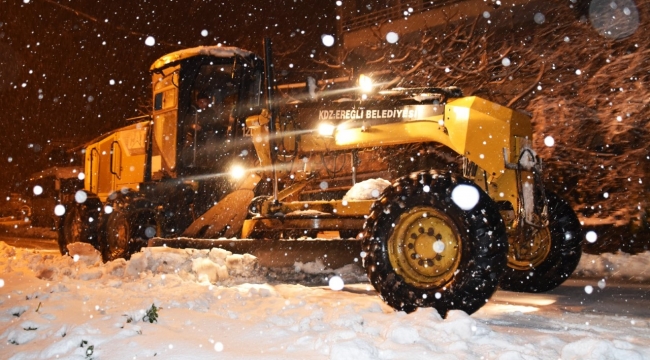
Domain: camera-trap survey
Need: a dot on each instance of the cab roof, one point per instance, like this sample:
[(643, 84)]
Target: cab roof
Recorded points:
[(59, 172), (217, 51)]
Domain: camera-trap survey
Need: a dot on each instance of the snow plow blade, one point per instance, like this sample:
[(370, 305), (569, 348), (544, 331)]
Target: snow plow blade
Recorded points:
[(224, 218), (334, 253)]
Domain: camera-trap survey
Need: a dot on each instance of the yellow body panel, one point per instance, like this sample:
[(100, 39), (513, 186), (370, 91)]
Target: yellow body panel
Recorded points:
[(116, 161), (259, 131), (480, 129), (475, 128)]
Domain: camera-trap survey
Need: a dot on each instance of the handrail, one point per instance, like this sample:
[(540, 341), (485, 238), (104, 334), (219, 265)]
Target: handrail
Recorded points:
[(94, 156), (117, 173)]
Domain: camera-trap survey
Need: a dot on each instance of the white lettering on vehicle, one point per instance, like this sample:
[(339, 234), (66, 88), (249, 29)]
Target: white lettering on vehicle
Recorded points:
[(352, 114)]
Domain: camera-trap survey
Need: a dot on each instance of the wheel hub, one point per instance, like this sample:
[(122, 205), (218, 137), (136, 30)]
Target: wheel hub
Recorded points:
[(530, 250), (425, 247)]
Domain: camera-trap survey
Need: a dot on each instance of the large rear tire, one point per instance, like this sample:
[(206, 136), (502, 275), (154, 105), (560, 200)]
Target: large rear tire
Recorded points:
[(423, 250), (80, 224), (127, 228), (548, 256)]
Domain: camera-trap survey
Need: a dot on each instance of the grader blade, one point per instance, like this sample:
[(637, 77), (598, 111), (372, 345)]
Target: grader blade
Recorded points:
[(223, 219), (227, 216)]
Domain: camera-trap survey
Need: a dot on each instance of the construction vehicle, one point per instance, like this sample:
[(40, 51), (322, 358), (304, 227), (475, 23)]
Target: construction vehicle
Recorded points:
[(46, 189), (440, 194)]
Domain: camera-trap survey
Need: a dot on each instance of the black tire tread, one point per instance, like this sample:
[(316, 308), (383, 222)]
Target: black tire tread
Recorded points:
[(90, 231), (483, 259), (561, 261), (139, 215)]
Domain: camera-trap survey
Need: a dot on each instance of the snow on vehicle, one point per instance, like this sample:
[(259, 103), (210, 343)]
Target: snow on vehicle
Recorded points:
[(439, 194)]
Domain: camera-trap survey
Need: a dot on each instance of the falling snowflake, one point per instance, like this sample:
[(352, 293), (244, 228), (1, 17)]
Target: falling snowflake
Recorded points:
[(465, 196), (218, 347), (328, 40), (591, 236), (150, 41), (150, 232), (59, 210), (392, 37), (336, 283), (80, 196), (549, 141)]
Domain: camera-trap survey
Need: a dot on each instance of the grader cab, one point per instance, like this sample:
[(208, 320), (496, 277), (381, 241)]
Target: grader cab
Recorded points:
[(441, 193)]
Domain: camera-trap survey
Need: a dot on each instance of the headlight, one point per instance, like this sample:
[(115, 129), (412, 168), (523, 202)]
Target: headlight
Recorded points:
[(237, 172), (326, 129), (365, 83)]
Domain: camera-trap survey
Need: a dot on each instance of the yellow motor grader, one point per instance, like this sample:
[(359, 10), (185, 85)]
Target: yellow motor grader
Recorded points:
[(439, 195)]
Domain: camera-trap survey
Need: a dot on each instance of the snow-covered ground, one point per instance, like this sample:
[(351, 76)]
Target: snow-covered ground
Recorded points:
[(212, 304)]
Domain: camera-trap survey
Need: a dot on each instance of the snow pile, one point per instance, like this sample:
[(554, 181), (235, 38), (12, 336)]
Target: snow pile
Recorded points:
[(616, 266), (215, 266), (75, 307), (367, 190), (308, 213), (84, 262)]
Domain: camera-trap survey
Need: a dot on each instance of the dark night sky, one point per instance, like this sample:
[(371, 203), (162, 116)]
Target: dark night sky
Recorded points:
[(58, 59)]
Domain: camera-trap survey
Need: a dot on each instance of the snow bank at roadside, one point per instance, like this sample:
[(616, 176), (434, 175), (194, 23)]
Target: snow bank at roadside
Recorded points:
[(619, 266), (76, 307), (215, 266), (221, 267), (215, 304)]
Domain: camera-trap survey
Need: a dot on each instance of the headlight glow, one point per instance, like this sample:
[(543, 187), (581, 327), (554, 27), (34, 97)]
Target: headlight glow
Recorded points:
[(326, 129), (237, 172), (365, 83)]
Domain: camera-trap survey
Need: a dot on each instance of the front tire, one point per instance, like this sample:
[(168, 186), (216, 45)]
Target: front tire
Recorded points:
[(549, 255), (423, 250)]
